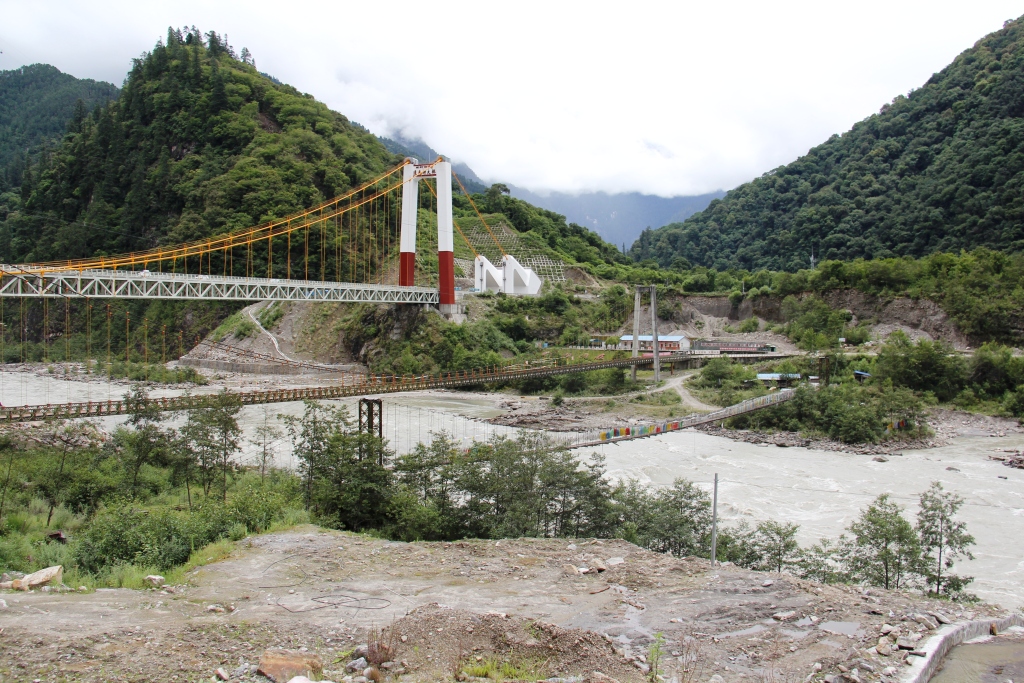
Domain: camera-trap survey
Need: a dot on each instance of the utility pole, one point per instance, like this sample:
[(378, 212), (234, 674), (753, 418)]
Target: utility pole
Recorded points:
[(654, 333), (636, 329), (714, 523)]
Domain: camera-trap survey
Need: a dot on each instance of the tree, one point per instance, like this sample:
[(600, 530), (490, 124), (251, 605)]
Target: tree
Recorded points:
[(826, 561), (681, 522), (146, 443), (886, 549), (266, 435), (494, 198), (943, 538), (777, 544), (69, 438), (311, 437), (221, 416), (209, 437), (6, 446)]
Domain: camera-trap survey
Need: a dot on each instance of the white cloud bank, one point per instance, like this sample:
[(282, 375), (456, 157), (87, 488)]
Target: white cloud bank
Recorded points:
[(667, 98)]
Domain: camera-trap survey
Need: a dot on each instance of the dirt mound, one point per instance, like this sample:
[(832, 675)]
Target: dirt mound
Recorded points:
[(435, 642)]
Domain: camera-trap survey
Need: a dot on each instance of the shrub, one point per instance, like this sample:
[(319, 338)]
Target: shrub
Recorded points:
[(161, 538)]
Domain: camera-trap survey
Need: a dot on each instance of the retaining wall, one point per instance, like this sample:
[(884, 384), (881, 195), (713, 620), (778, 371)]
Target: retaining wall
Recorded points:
[(264, 368), (948, 637)]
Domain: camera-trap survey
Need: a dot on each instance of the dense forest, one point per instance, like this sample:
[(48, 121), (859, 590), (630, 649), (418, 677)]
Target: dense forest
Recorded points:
[(197, 143), (36, 103), (941, 169)]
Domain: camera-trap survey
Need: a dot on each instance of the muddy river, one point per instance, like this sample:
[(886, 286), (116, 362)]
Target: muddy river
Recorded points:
[(822, 491)]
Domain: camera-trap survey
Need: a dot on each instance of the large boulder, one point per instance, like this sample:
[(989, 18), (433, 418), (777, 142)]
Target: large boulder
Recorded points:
[(283, 665), (43, 577)]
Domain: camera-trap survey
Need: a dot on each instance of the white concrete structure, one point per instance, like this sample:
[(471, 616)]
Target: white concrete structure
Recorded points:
[(512, 278), (486, 276), (518, 279)]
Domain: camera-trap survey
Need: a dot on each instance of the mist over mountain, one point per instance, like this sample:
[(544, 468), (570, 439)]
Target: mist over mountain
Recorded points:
[(619, 218)]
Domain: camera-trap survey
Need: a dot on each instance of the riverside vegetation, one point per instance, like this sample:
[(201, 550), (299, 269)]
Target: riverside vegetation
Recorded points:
[(152, 499), (905, 378)]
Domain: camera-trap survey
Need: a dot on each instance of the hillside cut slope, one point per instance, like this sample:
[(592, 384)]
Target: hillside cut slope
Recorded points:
[(941, 169)]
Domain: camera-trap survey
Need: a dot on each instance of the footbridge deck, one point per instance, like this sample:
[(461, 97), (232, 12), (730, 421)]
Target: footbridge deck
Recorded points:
[(358, 385)]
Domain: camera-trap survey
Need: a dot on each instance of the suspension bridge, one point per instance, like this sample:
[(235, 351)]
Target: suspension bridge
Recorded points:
[(342, 250), (357, 247), (349, 386)]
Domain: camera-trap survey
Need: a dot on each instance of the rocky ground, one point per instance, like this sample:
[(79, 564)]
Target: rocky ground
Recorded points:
[(518, 609)]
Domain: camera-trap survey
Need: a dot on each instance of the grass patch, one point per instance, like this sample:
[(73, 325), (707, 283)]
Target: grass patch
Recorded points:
[(238, 325), (505, 670), (270, 315), (668, 397)]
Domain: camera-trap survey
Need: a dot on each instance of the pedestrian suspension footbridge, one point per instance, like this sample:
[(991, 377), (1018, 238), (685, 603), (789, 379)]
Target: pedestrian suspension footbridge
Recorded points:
[(358, 247)]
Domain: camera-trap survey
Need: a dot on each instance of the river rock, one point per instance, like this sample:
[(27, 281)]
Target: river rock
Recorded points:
[(570, 570), (356, 665), (155, 580), (926, 621), (598, 677), (784, 616), (283, 665), (40, 578), (905, 644)]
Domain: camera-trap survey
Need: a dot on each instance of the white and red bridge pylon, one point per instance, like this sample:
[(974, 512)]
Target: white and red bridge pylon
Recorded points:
[(414, 172), (512, 278)]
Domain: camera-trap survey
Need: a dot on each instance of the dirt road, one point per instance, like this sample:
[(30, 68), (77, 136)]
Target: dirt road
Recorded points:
[(322, 590)]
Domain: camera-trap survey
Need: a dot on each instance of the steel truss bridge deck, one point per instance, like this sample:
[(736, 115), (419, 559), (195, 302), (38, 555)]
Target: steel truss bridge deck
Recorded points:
[(361, 386), (134, 284)]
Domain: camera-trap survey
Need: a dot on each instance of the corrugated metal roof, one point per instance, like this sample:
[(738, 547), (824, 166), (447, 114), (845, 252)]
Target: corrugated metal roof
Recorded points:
[(776, 376)]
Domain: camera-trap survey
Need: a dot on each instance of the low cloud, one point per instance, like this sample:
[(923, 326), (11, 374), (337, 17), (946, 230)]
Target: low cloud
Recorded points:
[(662, 98)]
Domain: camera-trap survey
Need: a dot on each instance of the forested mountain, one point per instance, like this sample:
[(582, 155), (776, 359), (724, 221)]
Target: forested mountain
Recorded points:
[(197, 143), (941, 169), (36, 103)]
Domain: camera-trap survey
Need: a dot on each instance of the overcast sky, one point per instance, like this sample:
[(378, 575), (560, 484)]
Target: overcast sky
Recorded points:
[(666, 98)]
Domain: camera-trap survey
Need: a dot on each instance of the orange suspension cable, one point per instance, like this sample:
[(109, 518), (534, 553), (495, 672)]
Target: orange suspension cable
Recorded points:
[(479, 215), (247, 236), (468, 244)]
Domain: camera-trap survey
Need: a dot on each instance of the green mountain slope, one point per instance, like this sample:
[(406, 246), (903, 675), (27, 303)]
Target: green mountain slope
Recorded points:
[(197, 143), (36, 103), (939, 170)]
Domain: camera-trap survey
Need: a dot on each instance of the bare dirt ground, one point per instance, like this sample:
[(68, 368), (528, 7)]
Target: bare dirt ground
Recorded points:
[(465, 604)]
